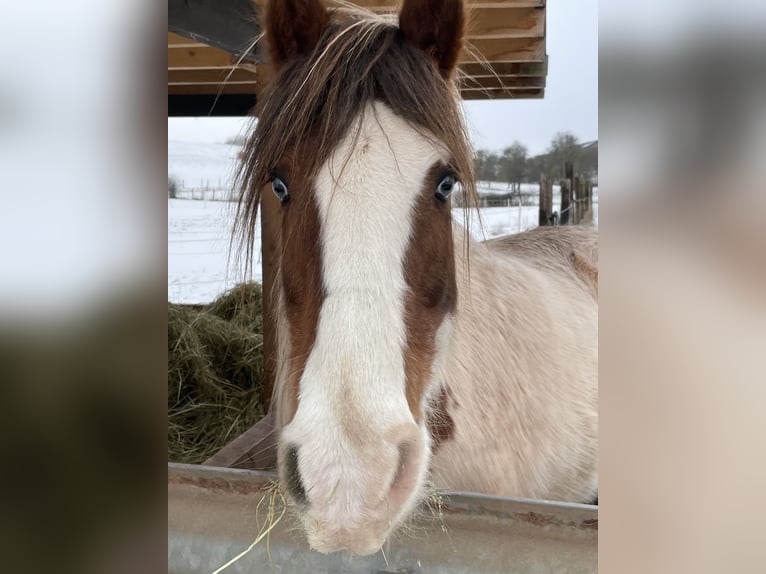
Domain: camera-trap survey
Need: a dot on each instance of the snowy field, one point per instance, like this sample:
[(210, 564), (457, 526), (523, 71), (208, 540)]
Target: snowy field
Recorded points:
[(199, 165), (199, 234)]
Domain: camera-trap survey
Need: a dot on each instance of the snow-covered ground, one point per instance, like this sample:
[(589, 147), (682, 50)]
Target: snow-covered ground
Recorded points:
[(198, 247), (501, 188), (202, 165), (199, 235)]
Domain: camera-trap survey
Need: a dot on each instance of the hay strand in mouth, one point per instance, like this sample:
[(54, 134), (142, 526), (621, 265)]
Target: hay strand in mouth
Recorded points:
[(270, 523), (434, 501)]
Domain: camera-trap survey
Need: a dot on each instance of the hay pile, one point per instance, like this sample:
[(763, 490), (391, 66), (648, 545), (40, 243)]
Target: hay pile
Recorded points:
[(215, 372)]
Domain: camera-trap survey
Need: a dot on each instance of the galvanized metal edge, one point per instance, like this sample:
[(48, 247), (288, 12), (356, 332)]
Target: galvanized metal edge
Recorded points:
[(214, 514)]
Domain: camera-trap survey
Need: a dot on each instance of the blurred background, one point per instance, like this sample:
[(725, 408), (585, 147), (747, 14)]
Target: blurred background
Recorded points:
[(83, 224), (682, 115)]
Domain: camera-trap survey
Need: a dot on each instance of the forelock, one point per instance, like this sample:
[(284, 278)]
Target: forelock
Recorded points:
[(360, 58)]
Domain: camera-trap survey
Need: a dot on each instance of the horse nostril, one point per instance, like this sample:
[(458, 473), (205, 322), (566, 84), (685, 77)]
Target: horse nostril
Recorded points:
[(293, 476)]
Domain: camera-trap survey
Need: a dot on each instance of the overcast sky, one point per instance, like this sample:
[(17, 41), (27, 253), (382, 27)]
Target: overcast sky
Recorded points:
[(570, 102)]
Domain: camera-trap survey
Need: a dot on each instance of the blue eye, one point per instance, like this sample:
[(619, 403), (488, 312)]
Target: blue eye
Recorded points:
[(445, 187), (280, 189)]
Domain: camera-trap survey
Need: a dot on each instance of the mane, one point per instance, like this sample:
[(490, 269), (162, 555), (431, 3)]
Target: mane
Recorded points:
[(361, 58)]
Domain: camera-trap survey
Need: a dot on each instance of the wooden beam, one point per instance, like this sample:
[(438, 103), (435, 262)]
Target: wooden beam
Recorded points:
[(539, 68), (513, 82), (180, 41), (545, 213), (504, 50), (205, 81), (182, 58), (255, 449), (181, 62), (230, 25), (484, 23), (252, 88), (202, 105), (391, 5), (208, 75), (495, 51), (507, 40), (487, 23), (500, 94)]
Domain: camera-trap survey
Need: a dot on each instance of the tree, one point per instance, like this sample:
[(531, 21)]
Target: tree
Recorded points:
[(173, 187), (478, 163), (514, 164), (589, 159), (564, 147), (490, 167), (536, 166)]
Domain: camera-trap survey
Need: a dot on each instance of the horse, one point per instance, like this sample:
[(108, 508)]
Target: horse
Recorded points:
[(408, 354)]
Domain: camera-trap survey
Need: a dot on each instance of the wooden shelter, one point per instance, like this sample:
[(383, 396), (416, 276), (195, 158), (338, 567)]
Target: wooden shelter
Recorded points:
[(213, 69), (216, 69)]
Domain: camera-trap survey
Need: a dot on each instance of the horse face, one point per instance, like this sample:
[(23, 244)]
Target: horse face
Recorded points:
[(365, 294), (368, 288)]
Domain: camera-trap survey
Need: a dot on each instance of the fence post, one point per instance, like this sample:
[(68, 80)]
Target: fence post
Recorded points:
[(546, 200), (577, 188), (566, 193)]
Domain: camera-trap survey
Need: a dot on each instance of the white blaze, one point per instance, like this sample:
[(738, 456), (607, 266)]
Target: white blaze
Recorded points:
[(352, 392)]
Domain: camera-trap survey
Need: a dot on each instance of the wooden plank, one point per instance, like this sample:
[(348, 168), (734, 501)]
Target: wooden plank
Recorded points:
[(208, 75), (499, 94), (504, 50), (566, 193), (577, 194), (391, 5), (178, 41), (215, 88), (241, 81), (512, 23), (190, 58), (519, 90), (539, 68), (255, 449), (483, 23), (202, 105), (473, 69), (253, 88), (546, 201), (513, 82), (230, 25)]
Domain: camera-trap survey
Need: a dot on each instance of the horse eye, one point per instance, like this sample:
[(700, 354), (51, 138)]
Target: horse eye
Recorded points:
[(445, 187), (280, 189)]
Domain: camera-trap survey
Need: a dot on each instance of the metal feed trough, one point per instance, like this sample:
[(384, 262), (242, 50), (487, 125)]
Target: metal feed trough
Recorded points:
[(212, 518)]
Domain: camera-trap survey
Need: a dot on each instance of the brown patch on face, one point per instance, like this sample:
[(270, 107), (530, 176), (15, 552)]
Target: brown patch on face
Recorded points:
[(300, 270), (441, 426), (429, 271)]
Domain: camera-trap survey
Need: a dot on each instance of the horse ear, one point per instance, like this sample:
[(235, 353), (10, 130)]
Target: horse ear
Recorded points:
[(293, 28), (436, 27)]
